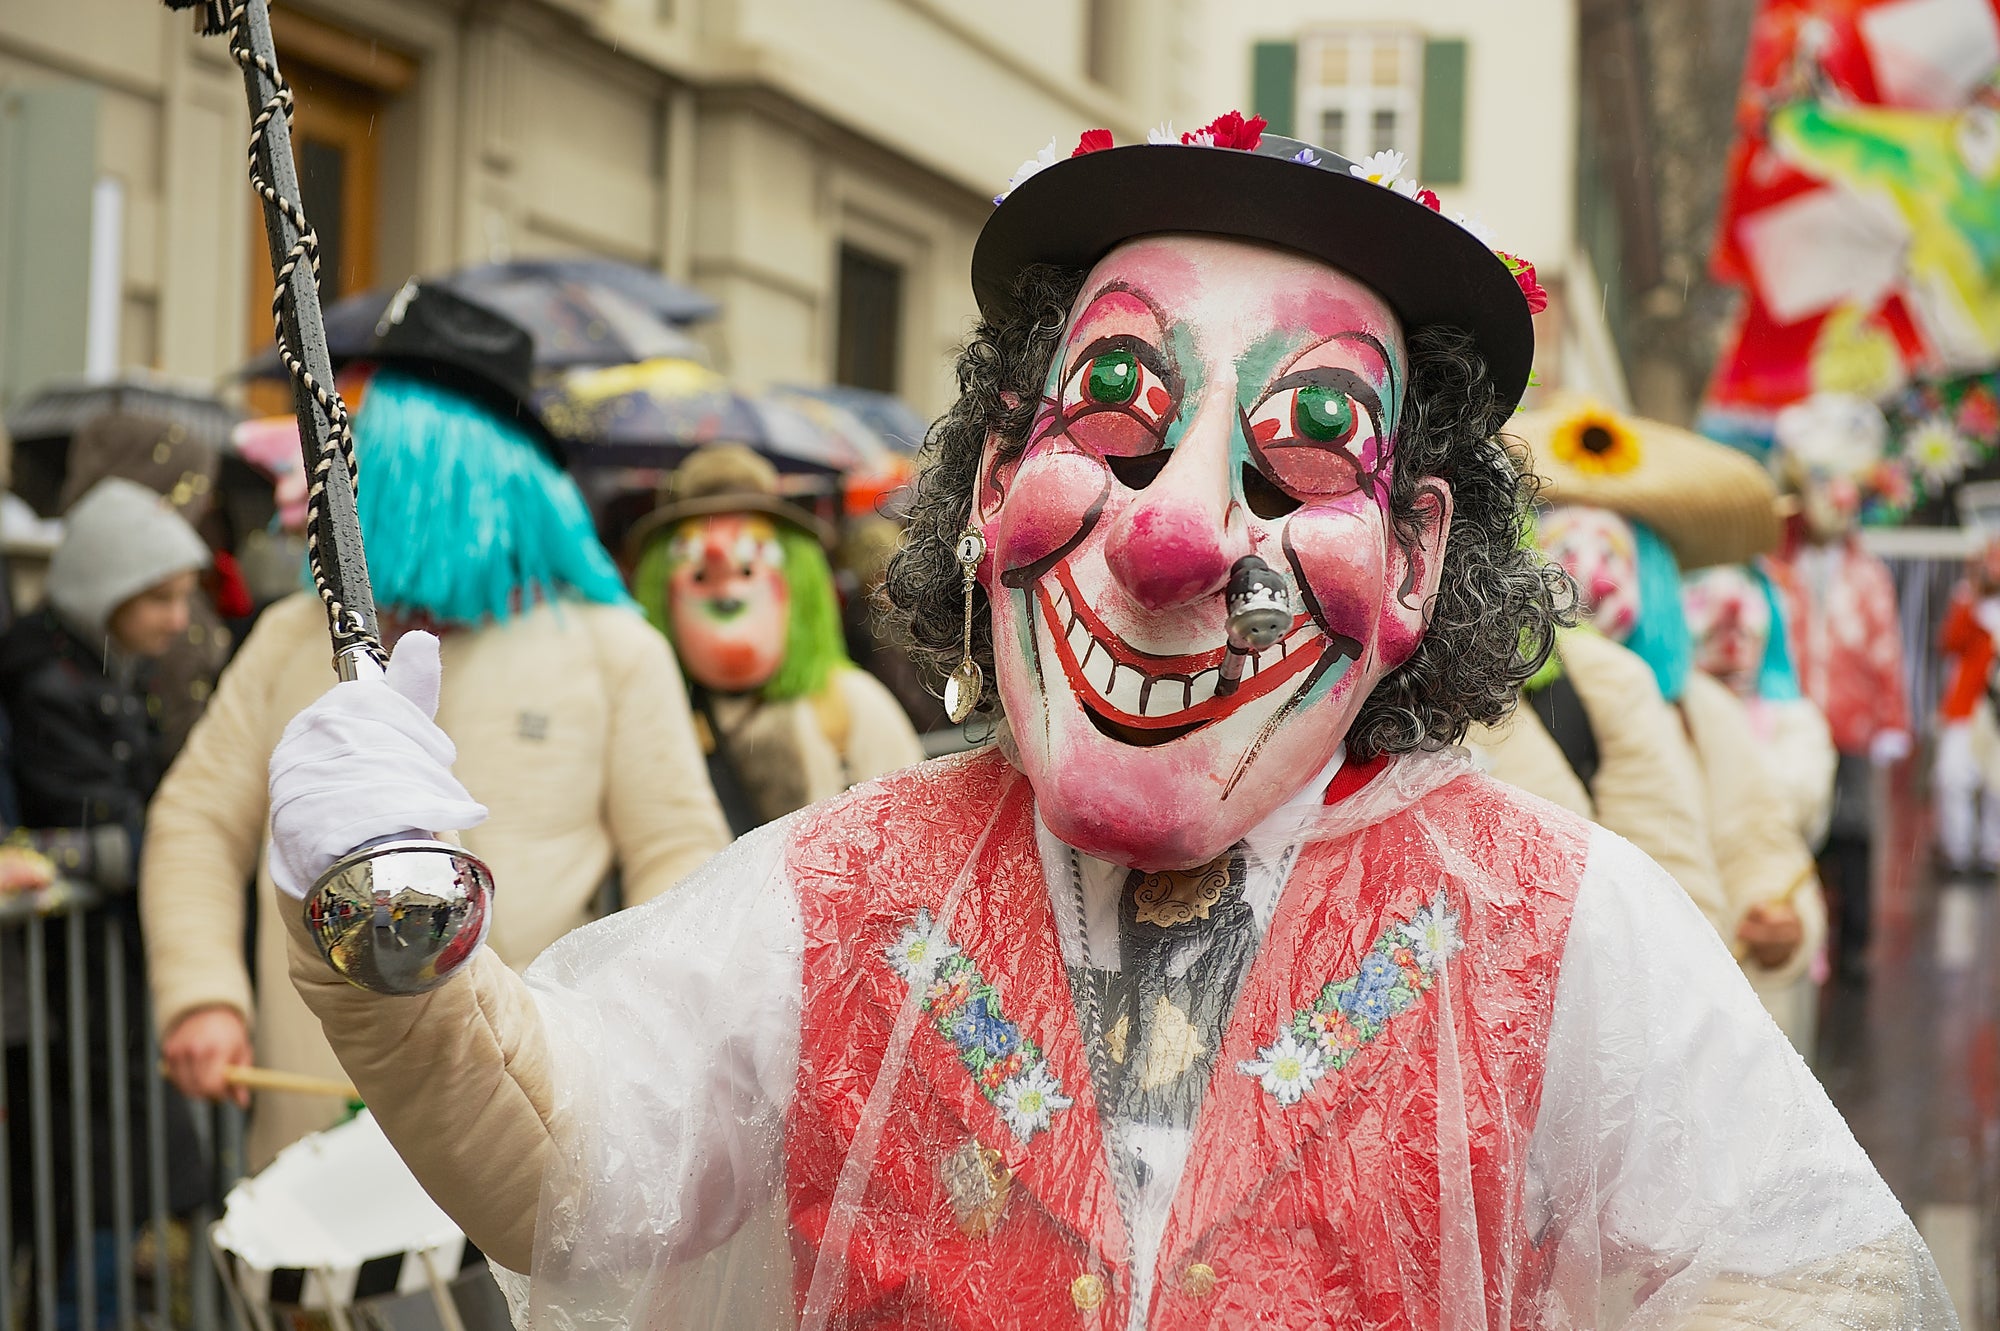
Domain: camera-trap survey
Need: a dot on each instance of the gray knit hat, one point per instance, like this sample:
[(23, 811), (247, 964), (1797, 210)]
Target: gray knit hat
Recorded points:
[(119, 539)]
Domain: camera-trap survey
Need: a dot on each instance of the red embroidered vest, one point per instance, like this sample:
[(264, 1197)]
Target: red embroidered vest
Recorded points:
[(1360, 1175)]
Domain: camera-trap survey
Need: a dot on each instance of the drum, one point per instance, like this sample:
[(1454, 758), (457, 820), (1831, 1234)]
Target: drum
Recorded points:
[(337, 1235)]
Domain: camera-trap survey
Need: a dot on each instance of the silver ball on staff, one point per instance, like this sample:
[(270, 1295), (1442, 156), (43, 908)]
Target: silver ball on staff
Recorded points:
[(401, 917), (1260, 613)]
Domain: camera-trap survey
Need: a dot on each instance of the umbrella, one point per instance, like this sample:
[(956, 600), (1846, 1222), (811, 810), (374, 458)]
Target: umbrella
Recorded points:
[(580, 312), (654, 413), (892, 419), (42, 426)]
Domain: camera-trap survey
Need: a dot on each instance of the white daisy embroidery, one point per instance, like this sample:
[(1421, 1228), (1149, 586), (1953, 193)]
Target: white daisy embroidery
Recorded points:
[(1432, 934), (1287, 1068), (1029, 1099), (920, 949)]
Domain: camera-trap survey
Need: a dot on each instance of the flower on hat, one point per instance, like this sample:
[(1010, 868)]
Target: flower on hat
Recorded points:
[(1162, 133), (1524, 277), (1385, 168), (1041, 161), (1093, 141), (1228, 130), (1596, 442)]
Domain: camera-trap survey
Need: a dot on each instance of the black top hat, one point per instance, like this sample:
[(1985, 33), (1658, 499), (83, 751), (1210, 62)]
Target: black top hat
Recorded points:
[(1283, 192), (433, 333)]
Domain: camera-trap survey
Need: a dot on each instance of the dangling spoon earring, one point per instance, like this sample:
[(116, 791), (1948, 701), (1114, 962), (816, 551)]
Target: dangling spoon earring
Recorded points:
[(967, 682)]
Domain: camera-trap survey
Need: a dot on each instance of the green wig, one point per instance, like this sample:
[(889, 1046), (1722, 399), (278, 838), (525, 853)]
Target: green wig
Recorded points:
[(815, 643), (465, 518)]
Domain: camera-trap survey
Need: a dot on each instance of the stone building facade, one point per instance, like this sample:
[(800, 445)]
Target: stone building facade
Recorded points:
[(820, 166)]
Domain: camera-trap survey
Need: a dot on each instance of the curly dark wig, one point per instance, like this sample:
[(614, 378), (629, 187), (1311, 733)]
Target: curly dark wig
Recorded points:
[(1498, 604)]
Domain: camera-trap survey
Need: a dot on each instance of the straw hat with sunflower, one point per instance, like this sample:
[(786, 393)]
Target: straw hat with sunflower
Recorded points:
[(1708, 502)]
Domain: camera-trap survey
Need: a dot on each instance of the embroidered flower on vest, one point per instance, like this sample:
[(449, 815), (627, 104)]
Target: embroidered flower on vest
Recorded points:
[(1398, 970), (1005, 1062)]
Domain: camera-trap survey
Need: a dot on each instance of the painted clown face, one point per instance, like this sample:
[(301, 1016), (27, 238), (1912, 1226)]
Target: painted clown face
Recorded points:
[(1598, 550), (1730, 621), (727, 600), (1211, 400)]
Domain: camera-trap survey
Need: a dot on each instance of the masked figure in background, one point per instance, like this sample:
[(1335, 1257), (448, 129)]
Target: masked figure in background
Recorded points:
[(1219, 993), (1738, 628), (1968, 746), (1739, 638), (1632, 503), (738, 580), (568, 710), (1846, 637)]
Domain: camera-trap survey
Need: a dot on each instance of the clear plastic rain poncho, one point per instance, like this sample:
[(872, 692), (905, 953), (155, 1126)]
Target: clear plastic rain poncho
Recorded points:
[(1420, 1053)]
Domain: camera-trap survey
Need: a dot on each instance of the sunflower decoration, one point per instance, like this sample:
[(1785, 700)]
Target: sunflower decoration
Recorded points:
[(1595, 442)]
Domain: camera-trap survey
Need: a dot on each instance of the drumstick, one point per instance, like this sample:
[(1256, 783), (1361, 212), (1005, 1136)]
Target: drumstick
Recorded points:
[(295, 1083)]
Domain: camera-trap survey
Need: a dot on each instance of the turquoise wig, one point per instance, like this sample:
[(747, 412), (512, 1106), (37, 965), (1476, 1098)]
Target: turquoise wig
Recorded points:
[(465, 518), (1777, 677), (1661, 636)]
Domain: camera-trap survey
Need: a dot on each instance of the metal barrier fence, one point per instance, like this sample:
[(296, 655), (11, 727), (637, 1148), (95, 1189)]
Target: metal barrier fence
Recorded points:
[(87, 1228)]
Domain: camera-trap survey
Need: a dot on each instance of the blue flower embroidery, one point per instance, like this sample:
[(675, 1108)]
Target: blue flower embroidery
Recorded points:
[(1399, 969), (1006, 1065)]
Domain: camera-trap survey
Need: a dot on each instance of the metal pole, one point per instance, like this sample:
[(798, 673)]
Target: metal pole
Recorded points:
[(83, 1262), (123, 1185), (40, 1112), (156, 1179)]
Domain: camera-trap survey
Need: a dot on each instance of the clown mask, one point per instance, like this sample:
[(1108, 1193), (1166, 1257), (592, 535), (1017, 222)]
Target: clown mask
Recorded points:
[(1730, 621), (1600, 553), (1211, 399), (728, 607)]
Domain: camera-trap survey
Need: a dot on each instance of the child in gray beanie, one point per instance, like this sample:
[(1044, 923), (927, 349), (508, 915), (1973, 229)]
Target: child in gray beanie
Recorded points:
[(87, 749)]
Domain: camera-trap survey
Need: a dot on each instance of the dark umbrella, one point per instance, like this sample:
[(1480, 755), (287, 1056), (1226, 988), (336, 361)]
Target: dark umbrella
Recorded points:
[(893, 419), (655, 413), (42, 426), (579, 311)]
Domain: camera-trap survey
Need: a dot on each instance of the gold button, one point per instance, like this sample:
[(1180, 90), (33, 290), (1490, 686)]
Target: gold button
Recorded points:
[(1086, 1291), (1199, 1280)]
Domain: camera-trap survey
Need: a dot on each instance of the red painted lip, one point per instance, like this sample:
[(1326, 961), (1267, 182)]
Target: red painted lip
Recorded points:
[(1303, 647)]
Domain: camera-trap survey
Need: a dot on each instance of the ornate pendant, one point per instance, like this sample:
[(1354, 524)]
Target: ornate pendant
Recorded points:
[(962, 690)]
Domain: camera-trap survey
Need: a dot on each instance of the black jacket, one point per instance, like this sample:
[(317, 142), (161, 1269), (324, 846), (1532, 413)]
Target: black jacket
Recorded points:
[(87, 749)]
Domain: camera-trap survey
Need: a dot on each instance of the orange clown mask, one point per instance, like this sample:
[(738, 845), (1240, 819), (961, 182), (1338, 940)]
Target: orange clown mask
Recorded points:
[(727, 602), (1212, 399)]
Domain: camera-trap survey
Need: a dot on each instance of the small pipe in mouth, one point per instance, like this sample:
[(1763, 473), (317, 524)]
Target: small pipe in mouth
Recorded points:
[(1260, 613)]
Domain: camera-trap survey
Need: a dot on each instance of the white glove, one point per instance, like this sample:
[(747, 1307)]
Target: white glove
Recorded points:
[(363, 763)]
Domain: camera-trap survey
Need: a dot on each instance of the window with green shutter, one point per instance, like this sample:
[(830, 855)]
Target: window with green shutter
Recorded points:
[(1441, 160), (1274, 76)]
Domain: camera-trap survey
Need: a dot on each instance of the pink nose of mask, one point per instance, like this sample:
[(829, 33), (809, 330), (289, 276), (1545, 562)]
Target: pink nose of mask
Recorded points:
[(1165, 557), (1602, 588)]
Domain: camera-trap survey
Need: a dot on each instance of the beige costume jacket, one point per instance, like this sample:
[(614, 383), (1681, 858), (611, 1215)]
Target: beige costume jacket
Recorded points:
[(1648, 788), (1758, 849), (570, 728)]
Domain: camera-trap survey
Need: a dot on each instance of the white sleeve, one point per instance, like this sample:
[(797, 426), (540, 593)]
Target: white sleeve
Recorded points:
[(673, 1030), (1684, 1155)]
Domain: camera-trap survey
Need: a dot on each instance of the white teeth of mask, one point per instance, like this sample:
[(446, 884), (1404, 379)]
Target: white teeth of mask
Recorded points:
[(1166, 697), (1098, 668)]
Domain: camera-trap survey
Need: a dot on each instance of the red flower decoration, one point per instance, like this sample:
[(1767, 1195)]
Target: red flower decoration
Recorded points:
[(1230, 130), (1524, 277), (1093, 141), (1430, 200)]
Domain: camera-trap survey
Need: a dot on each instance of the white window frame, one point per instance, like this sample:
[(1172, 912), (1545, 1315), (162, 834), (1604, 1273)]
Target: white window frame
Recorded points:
[(1359, 98)]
